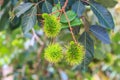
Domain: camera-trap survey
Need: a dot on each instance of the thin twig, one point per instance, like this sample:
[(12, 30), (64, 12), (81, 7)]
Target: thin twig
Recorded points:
[(63, 9), (70, 27), (56, 11), (37, 38), (85, 23), (38, 14), (39, 55)]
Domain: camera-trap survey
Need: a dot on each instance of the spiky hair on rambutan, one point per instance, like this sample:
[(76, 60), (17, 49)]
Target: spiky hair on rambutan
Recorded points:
[(53, 53), (75, 53), (52, 25)]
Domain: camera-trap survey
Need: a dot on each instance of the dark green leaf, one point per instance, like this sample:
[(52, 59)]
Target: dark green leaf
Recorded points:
[(14, 2), (4, 22), (56, 1), (15, 23), (78, 7), (100, 33), (103, 15), (70, 2), (61, 2), (4, 19), (29, 19), (86, 40), (46, 7), (21, 9)]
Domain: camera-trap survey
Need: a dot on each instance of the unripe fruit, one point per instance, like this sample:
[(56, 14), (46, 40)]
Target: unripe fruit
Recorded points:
[(52, 26), (53, 53), (75, 53)]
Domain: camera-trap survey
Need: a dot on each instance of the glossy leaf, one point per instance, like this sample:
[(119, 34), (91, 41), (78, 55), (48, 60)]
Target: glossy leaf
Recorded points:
[(70, 2), (15, 23), (21, 9), (56, 1), (73, 23), (4, 15), (29, 19), (103, 15), (100, 33), (61, 2), (14, 2), (78, 8), (86, 40), (70, 14), (4, 19), (46, 7)]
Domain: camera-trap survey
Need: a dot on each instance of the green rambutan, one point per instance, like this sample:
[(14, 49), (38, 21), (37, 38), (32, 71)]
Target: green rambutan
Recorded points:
[(53, 53), (75, 53), (52, 25)]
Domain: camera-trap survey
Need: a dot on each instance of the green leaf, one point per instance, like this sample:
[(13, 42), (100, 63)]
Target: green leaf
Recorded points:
[(56, 8), (99, 55), (46, 7), (104, 16), (75, 22), (29, 19), (101, 33), (110, 3), (70, 14), (78, 8), (4, 19), (86, 40), (21, 9)]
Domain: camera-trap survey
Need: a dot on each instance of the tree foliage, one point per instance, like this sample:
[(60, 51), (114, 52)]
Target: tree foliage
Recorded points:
[(38, 31)]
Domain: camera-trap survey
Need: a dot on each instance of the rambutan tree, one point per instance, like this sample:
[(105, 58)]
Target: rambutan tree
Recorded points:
[(50, 36)]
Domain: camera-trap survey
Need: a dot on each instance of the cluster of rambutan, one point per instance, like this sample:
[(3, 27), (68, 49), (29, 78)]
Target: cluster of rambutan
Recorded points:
[(54, 53), (74, 53)]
